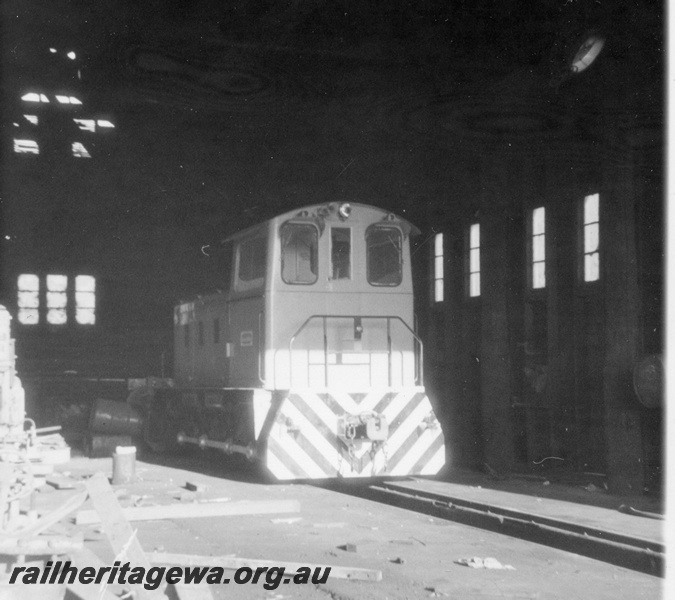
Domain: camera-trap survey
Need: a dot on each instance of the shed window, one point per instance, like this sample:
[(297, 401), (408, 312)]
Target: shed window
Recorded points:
[(85, 299), (538, 264), (28, 299), (591, 233), (299, 247), (439, 275), (384, 258), (57, 299), (474, 260)]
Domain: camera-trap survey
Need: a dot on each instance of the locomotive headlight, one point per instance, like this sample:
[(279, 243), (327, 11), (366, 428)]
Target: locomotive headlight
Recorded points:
[(345, 210)]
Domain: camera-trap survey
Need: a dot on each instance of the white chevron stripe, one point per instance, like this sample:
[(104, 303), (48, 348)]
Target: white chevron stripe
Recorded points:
[(434, 465), (399, 436), (277, 468), (368, 402), (399, 402), (414, 454), (346, 402), (321, 447), (296, 453), (314, 436), (317, 404)]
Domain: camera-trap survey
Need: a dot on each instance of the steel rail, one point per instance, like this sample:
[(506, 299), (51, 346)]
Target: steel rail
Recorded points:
[(626, 551)]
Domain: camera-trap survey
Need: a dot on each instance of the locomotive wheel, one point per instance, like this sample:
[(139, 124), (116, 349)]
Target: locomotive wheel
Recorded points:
[(161, 427)]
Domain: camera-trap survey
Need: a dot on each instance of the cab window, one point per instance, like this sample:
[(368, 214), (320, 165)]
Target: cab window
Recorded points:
[(340, 252), (251, 259), (299, 249), (384, 260)]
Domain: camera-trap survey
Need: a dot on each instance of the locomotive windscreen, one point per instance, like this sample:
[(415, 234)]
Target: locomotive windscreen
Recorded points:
[(384, 261)]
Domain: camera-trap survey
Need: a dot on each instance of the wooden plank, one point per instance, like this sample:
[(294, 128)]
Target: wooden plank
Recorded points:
[(117, 529), (87, 591), (60, 482), (233, 563), (192, 511), (191, 591), (46, 521), (41, 545)]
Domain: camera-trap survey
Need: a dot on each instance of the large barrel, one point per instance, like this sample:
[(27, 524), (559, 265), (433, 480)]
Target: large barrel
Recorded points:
[(115, 418)]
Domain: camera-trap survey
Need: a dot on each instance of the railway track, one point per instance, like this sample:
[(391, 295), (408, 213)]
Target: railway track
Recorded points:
[(630, 552)]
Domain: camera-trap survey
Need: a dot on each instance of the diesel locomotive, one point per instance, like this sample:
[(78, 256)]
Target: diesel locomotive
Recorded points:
[(307, 360)]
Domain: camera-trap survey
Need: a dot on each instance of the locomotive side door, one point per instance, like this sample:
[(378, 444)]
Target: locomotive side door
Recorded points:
[(246, 306)]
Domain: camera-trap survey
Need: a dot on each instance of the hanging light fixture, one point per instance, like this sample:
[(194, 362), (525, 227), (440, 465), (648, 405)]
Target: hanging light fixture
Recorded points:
[(587, 53)]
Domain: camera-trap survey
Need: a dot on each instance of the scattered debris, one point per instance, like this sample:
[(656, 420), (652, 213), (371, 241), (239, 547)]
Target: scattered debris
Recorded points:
[(397, 561), (186, 496), (347, 547), (221, 499), (137, 500), (196, 487), (435, 592), (329, 525), (483, 563), (286, 521)]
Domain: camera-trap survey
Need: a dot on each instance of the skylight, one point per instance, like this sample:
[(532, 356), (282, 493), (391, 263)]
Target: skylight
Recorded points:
[(68, 99), (35, 97), (26, 147), (86, 124), (80, 151)]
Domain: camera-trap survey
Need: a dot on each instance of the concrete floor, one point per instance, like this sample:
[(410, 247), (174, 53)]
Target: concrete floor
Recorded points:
[(416, 554)]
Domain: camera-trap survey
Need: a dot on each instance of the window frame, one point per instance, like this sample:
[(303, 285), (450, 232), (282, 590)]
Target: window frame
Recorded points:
[(531, 254), (335, 229), (78, 293), (314, 258), (399, 232), (438, 275), (53, 292), (255, 283), (468, 261), (23, 292), (582, 239)]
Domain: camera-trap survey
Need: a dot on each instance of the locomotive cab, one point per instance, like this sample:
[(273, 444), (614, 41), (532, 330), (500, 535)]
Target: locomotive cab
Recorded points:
[(308, 360)]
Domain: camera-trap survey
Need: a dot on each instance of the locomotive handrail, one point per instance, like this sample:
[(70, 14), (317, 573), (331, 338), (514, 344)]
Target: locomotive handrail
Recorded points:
[(261, 344), (419, 357)]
